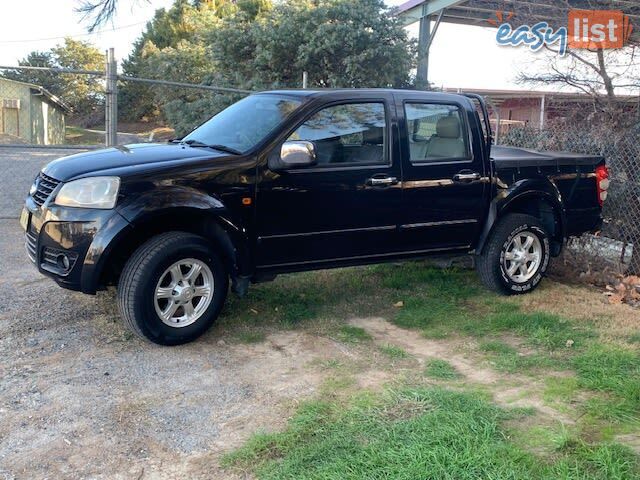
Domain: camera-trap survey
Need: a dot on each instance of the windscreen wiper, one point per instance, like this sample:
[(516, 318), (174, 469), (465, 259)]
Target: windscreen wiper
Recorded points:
[(224, 148)]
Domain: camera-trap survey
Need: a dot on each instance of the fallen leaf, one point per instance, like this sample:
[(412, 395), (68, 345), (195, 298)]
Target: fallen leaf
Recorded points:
[(631, 280), (616, 299), (570, 343), (254, 311), (399, 304)]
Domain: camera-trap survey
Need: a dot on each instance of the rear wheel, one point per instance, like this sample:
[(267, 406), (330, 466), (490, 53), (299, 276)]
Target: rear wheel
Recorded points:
[(172, 288), (516, 255)]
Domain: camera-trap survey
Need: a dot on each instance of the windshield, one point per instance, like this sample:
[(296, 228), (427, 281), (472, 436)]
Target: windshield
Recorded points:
[(244, 124)]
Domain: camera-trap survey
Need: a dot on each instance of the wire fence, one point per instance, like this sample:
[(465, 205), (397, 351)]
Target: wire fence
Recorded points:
[(621, 149), (109, 109), (125, 110)]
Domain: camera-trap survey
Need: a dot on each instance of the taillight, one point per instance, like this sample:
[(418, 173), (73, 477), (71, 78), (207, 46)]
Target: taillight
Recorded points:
[(603, 183)]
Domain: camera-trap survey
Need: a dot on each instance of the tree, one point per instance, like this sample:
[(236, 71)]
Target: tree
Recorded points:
[(601, 74), (83, 93), (340, 43), (98, 12), (48, 80), (171, 37)]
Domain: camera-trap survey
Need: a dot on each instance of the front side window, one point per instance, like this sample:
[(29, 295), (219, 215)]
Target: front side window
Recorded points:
[(436, 133), (350, 134)]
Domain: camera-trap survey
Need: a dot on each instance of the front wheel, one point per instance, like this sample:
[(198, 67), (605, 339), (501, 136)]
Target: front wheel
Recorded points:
[(172, 288), (516, 255)]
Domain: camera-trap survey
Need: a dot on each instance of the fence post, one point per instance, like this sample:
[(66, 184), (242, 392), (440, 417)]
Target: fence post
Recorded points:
[(111, 103), (107, 99), (305, 79)]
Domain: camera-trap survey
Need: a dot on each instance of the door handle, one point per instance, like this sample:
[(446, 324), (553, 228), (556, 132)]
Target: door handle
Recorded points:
[(466, 177), (382, 181)]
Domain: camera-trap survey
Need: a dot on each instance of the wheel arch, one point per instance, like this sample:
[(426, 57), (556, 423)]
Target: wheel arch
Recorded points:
[(543, 203), (227, 238)]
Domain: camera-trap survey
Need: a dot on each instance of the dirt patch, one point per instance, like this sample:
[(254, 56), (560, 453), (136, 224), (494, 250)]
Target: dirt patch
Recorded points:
[(152, 407), (631, 440), (8, 139), (508, 389), (583, 304)]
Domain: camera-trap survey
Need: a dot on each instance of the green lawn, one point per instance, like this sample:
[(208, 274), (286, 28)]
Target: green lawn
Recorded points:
[(431, 422), (82, 136)]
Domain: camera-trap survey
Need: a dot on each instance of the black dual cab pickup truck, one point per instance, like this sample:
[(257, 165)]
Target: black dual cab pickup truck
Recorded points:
[(286, 181)]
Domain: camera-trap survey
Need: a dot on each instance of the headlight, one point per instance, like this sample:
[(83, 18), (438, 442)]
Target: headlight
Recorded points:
[(92, 192)]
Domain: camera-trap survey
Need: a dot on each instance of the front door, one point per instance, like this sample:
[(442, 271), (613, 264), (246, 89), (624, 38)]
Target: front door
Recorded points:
[(445, 182), (346, 206)]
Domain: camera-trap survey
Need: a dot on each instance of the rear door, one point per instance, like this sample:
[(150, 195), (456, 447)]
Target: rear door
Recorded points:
[(445, 178), (347, 205)]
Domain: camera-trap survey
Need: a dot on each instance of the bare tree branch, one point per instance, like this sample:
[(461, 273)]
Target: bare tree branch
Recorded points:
[(97, 12)]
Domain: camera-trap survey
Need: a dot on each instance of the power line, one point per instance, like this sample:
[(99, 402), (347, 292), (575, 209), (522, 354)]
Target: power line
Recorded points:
[(73, 36)]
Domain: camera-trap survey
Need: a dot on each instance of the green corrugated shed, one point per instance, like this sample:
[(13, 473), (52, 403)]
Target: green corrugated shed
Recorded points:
[(30, 114)]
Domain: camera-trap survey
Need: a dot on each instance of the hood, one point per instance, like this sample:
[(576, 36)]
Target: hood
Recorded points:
[(119, 158)]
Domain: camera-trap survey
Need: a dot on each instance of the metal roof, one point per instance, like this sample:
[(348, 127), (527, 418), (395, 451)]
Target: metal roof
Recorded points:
[(42, 91), (498, 97), (477, 12)]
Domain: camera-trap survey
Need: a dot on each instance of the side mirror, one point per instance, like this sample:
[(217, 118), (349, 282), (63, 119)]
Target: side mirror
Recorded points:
[(297, 154)]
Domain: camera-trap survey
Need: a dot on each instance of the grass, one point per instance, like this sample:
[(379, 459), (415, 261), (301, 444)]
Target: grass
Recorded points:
[(386, 436), (441, 370), (507, 358), (393, 351), (351, 334), (417, 433), (250, 336), (614, 373), (82, 136)]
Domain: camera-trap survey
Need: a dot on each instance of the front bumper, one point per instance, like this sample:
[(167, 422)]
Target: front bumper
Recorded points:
[(81, 236)]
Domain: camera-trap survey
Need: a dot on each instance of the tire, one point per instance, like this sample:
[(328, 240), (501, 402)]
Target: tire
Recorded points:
[(154, 268), (503, 253)]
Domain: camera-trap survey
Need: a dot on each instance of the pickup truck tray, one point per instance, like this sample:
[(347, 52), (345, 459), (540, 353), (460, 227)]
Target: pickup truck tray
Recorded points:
[(512, 157)]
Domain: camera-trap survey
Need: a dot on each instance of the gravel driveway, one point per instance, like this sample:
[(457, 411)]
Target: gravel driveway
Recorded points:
[(19, 167), (81, 398)]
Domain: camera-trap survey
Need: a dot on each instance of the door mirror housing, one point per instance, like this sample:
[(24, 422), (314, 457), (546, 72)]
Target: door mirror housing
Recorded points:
[(294, 154)]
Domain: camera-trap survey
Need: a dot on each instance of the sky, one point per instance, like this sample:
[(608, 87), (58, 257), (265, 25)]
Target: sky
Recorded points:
[(462, 56)]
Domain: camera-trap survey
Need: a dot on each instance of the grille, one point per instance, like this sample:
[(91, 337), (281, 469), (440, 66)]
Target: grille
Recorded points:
[(44, 186), (31, 245)]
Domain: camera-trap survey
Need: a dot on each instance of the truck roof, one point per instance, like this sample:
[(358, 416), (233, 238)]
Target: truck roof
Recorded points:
[(362, 92)]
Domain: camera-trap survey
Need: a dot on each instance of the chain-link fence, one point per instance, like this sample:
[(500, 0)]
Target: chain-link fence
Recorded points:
[(156, 112), (114, 109), (101, 107), (621, 149)]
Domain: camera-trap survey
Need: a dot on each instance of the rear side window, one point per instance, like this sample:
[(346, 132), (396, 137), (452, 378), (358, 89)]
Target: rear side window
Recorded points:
[(345, 135), (437, 133)]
